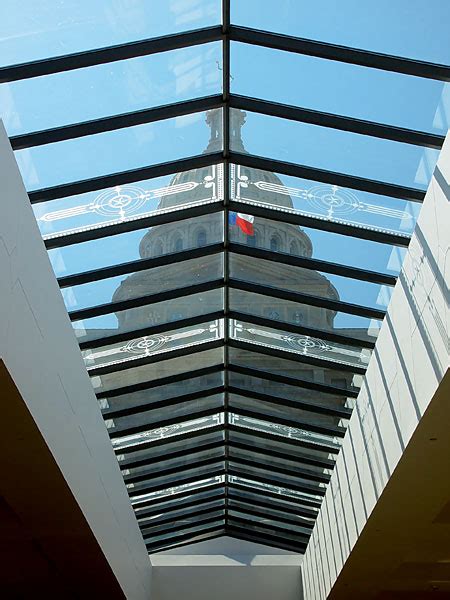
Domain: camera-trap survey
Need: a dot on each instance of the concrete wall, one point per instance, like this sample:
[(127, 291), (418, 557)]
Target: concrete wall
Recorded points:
[(226, 569), (40, 352), (410, 359)]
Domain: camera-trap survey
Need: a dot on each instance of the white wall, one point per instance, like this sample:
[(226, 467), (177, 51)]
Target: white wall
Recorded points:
[(39, 349), (409, 361), (226, 569)]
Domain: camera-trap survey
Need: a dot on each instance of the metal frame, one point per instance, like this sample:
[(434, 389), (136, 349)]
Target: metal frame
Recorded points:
[(293, 511)]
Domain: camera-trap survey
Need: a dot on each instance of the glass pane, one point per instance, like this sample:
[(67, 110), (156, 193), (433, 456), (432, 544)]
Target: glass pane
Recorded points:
[(133, 285), (141, 347), (235, 512), (275, 514), (166, 432), (385, 26), (281, 503), (153, 481), (294, 433), (183, 523), (301, 345), (120, 150), (126, 203), (113, 88), (178, 489), (271, 412), (164, 392), (257, 527), (359, 92), (334, 150), (153, 314), (165, 368), (175, 445), (316, 283), (153, 417), (183, 513), (283, 491), (172, 536), (302, 314), (294, 370), (31, 30)]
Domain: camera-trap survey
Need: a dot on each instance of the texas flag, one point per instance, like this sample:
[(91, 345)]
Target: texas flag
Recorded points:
[(244, 222)]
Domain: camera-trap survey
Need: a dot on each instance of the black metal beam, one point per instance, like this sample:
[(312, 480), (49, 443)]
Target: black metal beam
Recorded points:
[(287, 458), (298, 443), (177, 528), (123, 177), (335, 305), (151, 330), (293, 381), (179, 470), (322, 223), (314, 264), (162, 381), (341, 412), (136, 266), (173, 520), (304, 488), (253, 511), (90, 58), (247, 535), (323, 334), (164, 458), (298, 503), (112, 123), (113, 307), (86, 234), (295, 356), (157, 503), (343, 123), (158, 404), (178, 481), (333, 178), (354, 56), (277, 502), (169, 440), (329, 430), (177, 541), (181, 505), (207, 412)]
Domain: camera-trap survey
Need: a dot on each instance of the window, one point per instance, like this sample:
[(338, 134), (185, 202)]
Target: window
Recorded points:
[(293, 248), (178, 245), (201, 238), (275, 244)]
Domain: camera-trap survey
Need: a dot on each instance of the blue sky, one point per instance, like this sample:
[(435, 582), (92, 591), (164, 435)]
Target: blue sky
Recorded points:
[(32, 30)]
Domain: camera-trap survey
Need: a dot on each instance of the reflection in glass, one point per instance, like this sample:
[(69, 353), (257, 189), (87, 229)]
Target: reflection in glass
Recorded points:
[(177, 489), (282, 491)]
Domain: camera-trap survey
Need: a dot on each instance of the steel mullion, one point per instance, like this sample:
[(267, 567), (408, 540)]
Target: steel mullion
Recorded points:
[(326, 50), (331, 411), (125, 364), (294, 382), (322, 223), (334, 121), (164, 458), (301, 298), (196, 513), (123, 177), (207, 412), (115, 122), (299, 443), (210, 533), (182, 505), (99, 56), (178, 470), (283, 504), (302, 330), (329, 430), (154, 383), (296, 356), (314, 264), (171, 483), (135, 266), (273, 541), (151, 503), (172, 294), (169, 440), (168, 530), (158, 404), (331, 177), (305, 488), (288, 458), (253, 511)]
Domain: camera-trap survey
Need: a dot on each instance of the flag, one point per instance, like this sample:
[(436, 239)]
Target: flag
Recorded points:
[(244, 222)]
